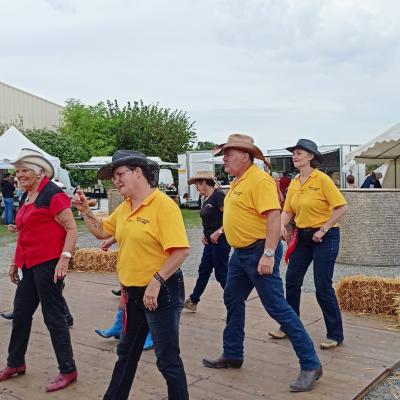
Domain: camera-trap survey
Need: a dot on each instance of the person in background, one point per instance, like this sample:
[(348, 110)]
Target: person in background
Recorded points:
[(7, 190), (46, 237), (284, 182), (276, 178), (316, 205), (377, 184), (116, 328), (153, 244), (350, 182), (216, 248), (252, 225), (370, 181)]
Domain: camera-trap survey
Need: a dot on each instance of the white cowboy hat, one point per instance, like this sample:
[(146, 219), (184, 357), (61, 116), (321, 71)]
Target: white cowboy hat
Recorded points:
[(36, 158)]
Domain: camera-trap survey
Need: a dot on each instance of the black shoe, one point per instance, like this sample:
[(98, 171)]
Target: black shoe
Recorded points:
[(116, 292), (8, 315), (222, 362), (70, 320), (306, 380)]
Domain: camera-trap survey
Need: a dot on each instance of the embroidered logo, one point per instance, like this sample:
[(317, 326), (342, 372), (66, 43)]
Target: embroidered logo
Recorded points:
[(142, 220), (237, 193), (313, 188)]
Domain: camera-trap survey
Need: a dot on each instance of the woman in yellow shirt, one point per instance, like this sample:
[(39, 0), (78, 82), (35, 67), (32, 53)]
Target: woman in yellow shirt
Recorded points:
[(316, 205)]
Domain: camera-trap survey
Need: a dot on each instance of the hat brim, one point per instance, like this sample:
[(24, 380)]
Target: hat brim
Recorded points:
[(317, 154), (252, 149), (106, 171), (200, 178), (39, 161)]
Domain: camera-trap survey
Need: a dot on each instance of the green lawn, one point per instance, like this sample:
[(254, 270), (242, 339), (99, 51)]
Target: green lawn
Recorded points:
[(191, 217), (3, 229)]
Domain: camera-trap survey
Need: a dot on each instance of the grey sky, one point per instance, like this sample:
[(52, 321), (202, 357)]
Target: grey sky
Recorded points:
[(278, 70)]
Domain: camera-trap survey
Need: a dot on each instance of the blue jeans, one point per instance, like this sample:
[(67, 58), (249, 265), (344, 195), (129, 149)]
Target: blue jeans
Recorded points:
[(215, 256), (323, 256), (242, 278), (164, 325), (8, 210)]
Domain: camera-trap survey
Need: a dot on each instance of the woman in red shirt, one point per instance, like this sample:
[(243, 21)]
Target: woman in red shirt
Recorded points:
[(46, 236)]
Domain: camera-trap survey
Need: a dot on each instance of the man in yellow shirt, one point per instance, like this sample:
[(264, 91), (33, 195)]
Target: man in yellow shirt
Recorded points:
[(252, 226), (149, 229)]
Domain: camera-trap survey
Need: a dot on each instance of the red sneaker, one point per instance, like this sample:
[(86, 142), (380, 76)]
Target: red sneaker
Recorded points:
[(61, 381), (8, 372)]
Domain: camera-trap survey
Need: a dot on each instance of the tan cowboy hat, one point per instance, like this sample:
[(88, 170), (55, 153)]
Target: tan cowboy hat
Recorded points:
[(36, 158), (200, 176), (241, 142)]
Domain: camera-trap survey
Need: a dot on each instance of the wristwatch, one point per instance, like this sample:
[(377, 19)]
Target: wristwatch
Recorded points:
[(66, 254), (220, 231), (268, 253), (322, 229)]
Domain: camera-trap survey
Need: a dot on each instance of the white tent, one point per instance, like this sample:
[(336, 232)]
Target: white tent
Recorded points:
[(383, 149), (11, 143)]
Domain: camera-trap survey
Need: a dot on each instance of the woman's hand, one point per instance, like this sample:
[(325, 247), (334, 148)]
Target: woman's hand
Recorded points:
[(317, 237), (284, 233), (107, 243), (13, 273), (80, 202), (12, 228), (204, 240), (215, 236), (61, 269), (151, 294)]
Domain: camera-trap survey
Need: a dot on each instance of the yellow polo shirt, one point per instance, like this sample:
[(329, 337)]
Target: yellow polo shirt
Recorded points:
[(145, 236), (313, 201), (248, 198)]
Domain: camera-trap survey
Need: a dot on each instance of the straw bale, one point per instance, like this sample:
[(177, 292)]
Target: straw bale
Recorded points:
[(94, 260), (369, 294)]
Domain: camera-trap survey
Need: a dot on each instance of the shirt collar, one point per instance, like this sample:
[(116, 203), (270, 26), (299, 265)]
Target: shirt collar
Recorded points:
[(43, 183), (248, 170)]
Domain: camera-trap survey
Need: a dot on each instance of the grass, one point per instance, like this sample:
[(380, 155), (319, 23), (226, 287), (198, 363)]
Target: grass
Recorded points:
[(3, 229), (191, 218)]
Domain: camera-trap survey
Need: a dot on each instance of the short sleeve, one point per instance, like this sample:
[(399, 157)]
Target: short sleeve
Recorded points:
[(171, 230), (289, 194), (59, 202), (220, 199), (332, 194), (265, 196)]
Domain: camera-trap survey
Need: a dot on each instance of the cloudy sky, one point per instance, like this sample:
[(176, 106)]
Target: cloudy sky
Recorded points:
[(328, 70)]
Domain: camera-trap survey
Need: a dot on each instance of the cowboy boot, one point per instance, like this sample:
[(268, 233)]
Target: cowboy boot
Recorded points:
[(115, 330)]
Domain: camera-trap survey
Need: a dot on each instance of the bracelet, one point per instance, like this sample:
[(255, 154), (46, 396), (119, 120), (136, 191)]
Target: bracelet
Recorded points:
[(160, 279)]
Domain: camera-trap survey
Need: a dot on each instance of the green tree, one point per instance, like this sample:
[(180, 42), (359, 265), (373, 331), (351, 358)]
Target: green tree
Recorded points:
[(205, 145)]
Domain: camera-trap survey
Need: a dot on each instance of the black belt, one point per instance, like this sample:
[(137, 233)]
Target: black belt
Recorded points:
[(254, 244)]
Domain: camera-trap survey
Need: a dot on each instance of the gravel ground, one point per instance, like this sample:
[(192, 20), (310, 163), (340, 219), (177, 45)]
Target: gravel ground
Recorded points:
[(387, 390)]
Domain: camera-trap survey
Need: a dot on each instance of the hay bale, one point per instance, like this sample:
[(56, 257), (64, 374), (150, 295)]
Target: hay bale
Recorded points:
[(369, 294), (94, 260)]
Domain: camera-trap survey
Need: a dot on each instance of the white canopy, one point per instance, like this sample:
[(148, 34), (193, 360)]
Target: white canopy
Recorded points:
[(11, 143), (384, 148), (97, 162)]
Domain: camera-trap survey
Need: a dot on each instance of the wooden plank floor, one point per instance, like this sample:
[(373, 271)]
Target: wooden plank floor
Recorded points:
[(270, 365)]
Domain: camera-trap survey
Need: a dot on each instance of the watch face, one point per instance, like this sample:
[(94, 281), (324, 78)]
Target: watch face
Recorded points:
[(268, 253)]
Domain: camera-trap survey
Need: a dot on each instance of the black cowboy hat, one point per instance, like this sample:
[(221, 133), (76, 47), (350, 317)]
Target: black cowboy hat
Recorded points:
[(307, 145), (131, 158)]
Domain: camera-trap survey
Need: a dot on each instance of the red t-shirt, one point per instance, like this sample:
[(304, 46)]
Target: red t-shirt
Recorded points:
[(284, 182), (40, 237)]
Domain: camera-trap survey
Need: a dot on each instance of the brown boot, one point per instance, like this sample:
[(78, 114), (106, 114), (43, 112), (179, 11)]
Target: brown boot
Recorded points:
[(189, 305)]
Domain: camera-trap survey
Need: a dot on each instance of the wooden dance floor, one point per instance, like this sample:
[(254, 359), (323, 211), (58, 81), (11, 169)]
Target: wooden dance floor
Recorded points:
[(369, 350)]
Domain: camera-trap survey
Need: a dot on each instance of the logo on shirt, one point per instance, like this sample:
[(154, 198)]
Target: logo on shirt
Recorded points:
[(208, 205), (237, 193), (142, 220), (313, 188)]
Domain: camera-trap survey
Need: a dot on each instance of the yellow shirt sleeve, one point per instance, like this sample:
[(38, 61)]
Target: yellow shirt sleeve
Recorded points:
[(332, 194), (265, 196), (288, 199), (110, 223), (171, 231)]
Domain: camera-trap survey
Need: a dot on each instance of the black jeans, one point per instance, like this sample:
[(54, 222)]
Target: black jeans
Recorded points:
[(164, 325), (37, 286), (215, 256)]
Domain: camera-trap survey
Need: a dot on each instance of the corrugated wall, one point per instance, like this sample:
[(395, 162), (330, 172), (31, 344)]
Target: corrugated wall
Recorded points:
[(35, 111)]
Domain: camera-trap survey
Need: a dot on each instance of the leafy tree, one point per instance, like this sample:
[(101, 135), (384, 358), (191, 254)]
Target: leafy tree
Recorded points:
[(205, 145), (18, 123)]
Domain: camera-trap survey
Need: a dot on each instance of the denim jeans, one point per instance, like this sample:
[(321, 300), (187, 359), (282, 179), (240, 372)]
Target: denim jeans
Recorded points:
[(164, 325), (323, 256), (37, 286), (242, 278), (215, 256), (8, 210)]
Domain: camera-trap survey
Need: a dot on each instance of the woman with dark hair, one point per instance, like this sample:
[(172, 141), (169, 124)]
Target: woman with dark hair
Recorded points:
[(216, 248), (316, 205), (46, 237), (149, 229)]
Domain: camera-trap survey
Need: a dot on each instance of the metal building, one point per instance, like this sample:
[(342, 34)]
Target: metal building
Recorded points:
[(35, 112)]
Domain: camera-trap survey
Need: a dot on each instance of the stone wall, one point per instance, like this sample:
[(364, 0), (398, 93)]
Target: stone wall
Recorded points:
[(370, 230), (114, 199)]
